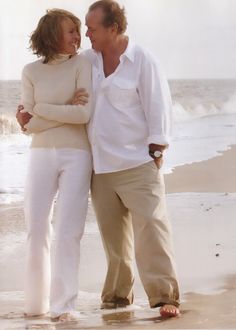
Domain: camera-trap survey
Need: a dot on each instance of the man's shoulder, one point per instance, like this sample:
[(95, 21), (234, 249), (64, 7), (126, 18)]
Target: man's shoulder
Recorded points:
[(143, 53)]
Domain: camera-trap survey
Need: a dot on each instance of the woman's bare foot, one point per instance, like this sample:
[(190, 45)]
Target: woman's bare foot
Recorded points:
[(34, 315), (169, 311), (65, 317)]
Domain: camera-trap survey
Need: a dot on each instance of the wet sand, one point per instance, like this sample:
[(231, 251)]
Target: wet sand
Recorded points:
[(199, 311), (202, 209), (215, 175)]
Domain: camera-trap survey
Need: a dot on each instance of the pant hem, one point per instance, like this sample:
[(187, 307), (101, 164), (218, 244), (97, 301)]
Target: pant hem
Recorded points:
[(163, 302)]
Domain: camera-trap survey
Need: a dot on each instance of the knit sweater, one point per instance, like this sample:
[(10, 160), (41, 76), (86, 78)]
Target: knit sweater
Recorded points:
[(47, 91)]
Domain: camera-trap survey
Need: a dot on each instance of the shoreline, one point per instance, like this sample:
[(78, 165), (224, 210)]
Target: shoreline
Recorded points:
[(198, 311), (214, 175)]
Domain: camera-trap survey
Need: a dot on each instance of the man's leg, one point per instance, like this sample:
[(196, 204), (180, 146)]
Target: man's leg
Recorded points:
[(143, 193), (117, 234)]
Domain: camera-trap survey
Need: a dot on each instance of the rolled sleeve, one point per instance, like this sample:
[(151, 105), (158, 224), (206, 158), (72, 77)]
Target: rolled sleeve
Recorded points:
[(159, 139), (156, 101)]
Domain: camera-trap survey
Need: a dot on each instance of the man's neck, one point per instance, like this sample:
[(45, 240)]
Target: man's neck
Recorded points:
[(111, 55), (116, 47)]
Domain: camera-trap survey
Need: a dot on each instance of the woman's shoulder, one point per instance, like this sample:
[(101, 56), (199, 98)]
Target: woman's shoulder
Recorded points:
[(81, 60), (32, 66)]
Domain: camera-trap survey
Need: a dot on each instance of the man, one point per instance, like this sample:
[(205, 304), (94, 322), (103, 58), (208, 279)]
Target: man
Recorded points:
[(128, 133)]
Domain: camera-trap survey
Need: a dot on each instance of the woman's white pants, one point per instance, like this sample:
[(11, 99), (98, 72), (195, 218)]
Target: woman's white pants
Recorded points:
[(68, 173)]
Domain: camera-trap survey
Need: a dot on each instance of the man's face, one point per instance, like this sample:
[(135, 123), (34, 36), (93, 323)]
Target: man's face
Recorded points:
[(96, 32)]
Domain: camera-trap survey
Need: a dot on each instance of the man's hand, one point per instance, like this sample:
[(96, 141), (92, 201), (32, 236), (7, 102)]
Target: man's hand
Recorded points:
[(81, 97), (159, 162), (22, 117), (157, 147)]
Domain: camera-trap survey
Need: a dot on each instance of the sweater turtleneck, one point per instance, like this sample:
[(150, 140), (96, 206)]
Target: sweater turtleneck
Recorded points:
[(60, 58)]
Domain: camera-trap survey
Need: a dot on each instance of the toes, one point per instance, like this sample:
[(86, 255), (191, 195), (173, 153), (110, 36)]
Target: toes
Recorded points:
[(169, 311), (66, 317)]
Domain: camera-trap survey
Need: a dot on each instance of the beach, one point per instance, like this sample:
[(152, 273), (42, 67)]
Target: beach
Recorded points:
[(214, 175), (201, 204)]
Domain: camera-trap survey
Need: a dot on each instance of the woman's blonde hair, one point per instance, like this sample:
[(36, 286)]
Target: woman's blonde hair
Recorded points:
[(46, 39)]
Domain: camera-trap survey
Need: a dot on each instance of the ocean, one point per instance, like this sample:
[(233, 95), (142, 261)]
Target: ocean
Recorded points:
[(204, 121)]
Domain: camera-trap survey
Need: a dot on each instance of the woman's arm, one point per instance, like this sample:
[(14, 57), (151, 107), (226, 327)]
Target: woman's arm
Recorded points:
[(72, 114), (35, 124)]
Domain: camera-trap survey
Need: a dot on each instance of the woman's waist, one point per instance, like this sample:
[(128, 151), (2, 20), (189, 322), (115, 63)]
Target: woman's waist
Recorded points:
[(66, 136)]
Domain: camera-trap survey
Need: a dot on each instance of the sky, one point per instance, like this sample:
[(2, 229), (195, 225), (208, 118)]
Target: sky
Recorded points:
[(193, 39)]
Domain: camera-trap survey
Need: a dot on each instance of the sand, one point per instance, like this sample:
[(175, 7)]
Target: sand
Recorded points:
[(201, 202), (215, 175)]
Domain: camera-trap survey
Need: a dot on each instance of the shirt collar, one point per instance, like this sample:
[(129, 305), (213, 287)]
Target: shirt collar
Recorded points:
[(129, 53)]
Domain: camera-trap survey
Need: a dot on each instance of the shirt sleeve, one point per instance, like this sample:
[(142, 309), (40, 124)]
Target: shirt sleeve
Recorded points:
[(156, 101), (71, 114)]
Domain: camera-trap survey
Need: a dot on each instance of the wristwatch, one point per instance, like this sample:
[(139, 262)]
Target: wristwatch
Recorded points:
[(155, 154)]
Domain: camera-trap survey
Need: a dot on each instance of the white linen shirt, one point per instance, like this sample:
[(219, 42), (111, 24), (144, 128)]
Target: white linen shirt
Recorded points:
[(132, 109)]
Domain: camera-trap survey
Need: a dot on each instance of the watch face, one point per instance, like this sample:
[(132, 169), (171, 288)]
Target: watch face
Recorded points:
[(157, 154)]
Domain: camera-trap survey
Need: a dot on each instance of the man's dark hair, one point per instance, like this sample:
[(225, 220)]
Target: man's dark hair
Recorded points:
[(113, 14)]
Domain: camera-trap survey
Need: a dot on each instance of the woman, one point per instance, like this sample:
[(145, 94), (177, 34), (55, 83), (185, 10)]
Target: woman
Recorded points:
[(60, 162)]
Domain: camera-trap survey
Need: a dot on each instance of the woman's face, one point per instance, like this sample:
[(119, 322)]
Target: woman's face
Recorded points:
[(70, 37)]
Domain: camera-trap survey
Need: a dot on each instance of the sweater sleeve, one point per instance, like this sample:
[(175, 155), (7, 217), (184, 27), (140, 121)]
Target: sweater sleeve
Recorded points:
[(71, 114), (37, 124), (27, 91)]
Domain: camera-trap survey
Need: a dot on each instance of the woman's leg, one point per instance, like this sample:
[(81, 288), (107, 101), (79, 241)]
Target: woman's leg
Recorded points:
[(71, 210), (40, 190)]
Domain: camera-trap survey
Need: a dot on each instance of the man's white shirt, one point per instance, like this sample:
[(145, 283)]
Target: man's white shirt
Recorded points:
[(132, 108)]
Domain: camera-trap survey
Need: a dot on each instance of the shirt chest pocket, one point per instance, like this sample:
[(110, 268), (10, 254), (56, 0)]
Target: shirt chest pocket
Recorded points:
[(123, 94)]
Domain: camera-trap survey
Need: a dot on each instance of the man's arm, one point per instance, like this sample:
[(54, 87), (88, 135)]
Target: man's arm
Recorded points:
[(156, 101)]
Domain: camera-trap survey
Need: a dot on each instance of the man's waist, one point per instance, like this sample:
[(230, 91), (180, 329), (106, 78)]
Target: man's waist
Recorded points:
[(106, 161)]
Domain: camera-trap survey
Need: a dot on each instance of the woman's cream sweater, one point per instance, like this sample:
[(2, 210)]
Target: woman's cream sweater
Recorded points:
[(47, 91)]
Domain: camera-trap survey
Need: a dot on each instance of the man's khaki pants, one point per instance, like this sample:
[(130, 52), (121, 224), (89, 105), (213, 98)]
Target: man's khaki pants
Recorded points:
[(130, 208)]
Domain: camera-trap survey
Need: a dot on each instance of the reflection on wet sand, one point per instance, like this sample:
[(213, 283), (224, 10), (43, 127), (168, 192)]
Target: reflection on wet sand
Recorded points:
[(118, 318), (124, 320)]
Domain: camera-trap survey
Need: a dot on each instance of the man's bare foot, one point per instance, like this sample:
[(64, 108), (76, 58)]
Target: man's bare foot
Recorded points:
[(169, 311)]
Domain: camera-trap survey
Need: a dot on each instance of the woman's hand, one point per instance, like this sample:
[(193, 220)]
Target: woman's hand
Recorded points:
[(81, 97)]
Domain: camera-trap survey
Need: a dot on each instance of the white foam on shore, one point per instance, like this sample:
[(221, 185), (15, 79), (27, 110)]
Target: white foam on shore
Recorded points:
[(200, 140)]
